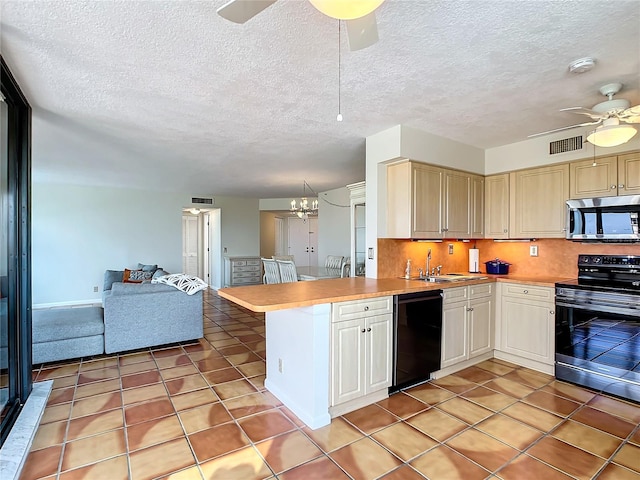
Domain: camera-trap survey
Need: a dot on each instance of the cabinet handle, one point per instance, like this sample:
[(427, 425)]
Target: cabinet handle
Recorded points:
[(551, 312), (525, 292), (363, 330), (621, 185), (505, 230), (613, 187), (469, 309), (366, 309), (369, 329)]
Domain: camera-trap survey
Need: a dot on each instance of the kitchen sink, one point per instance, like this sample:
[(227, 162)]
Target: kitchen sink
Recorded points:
[(455, 277)]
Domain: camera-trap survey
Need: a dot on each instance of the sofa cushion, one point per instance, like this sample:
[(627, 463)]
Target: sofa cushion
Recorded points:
[(136, 276), (61, 323), (111, 276), (147, 268), (138, 288)]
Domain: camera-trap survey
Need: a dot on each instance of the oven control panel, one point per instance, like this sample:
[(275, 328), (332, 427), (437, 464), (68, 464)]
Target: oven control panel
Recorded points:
[(608, 260)]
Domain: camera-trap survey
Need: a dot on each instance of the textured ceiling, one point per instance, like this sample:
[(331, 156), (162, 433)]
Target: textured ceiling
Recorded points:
[(168, 95)]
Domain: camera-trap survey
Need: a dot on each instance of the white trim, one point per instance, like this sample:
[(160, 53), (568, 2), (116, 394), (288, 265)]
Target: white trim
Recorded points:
[(74, 304)]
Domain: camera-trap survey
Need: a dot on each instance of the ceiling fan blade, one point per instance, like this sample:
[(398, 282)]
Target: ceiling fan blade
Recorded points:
[(634, 119), (362, 32), (584, 111), (631, 112), (239, 11), (564, 128)]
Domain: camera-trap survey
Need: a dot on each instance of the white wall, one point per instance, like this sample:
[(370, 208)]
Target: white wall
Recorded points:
[(535, 152), (334, 224), (79, 232)]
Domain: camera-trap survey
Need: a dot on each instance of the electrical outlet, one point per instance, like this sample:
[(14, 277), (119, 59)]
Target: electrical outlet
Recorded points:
[(370, 253), (280, 365), (451, 249), (95, 289), (533, 250)]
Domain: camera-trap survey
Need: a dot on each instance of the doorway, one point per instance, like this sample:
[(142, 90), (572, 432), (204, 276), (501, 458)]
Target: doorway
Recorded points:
[(201, 245)]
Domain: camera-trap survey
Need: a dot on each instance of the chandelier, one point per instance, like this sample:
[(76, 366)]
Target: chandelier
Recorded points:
[(303, 210)]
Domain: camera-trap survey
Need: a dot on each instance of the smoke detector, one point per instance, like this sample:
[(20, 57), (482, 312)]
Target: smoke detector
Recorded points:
[(582, 65)]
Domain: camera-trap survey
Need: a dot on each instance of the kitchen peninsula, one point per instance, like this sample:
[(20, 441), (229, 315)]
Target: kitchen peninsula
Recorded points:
[(298, 318)]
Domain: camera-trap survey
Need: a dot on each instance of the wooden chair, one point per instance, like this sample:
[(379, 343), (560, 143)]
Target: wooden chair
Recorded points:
[(334, 261), (288, 271), (271, 271)]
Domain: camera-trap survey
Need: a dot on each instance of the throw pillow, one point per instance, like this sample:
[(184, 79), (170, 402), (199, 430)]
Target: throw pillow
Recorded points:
[(136, 276), (159, 273), (147, 268), (111, 276)]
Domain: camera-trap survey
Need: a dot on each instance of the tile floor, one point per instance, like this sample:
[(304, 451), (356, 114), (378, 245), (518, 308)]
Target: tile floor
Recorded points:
[(200, 411)]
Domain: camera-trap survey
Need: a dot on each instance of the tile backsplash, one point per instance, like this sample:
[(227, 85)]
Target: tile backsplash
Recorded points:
[(556, 257)]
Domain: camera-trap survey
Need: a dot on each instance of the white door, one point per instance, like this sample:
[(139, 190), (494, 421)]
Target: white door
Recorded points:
[(303, 241), (190, 244), (279, 229), (206, 249)]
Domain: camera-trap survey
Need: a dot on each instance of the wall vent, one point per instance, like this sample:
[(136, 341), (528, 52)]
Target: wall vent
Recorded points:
[(203, 201), (565, 145)]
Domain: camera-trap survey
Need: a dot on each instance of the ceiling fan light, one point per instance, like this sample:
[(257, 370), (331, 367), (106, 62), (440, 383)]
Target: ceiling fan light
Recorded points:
[(611, 135), (346, 9)]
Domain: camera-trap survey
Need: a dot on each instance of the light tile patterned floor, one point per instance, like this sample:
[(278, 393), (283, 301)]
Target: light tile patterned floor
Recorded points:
[(200, 411)]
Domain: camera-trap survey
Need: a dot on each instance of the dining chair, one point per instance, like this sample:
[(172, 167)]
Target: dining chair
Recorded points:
[(288, 271), (345, 271), (283, 257), (333, 261), (271, 271)]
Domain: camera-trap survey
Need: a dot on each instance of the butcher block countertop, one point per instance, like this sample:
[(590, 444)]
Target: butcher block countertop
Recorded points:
[(281, 296)]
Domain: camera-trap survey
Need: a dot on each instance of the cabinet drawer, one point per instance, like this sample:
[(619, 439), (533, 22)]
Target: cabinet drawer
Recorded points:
[(482, 290), (246, 268), (246, 281), (528, 291), (450, 295), (239, 263), (245, 274), (361, 308)]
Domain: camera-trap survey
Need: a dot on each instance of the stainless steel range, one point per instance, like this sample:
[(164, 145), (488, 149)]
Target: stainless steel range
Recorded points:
[(598, 325)]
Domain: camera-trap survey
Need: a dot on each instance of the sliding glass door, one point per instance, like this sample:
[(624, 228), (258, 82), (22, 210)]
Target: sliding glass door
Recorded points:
[(15, 250)]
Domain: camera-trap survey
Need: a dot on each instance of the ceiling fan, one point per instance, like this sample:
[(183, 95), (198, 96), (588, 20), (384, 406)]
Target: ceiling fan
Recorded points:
[(359, 16), (612, 114)]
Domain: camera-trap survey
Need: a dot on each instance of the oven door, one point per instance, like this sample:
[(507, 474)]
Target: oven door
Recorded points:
[(598, 346)]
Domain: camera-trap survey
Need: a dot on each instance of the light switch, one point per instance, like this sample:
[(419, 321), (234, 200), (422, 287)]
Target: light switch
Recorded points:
[(370, 253), (533, 250)]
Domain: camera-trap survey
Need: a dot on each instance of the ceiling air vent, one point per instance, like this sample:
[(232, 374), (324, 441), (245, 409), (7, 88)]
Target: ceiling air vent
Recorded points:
[(203, 201), (565, 145)]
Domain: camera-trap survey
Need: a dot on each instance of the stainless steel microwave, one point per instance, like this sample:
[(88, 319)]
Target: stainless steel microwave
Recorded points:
[(606, 219)]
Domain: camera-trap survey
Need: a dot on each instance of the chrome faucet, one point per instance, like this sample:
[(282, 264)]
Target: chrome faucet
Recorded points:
[(428, 271)]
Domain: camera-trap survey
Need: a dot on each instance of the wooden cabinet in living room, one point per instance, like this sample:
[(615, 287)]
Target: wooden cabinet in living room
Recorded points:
[(525, 325), (537, 202), (467, 323), (425, 201), (605, 176), (361, 353)]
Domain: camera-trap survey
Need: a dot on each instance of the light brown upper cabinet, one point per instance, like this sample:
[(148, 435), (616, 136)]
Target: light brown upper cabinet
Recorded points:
[(425, 201), (610, 176), (496, 197), (537, 202)]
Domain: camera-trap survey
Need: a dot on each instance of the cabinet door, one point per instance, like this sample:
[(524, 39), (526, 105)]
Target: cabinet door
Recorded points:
[(496, 188), (348, 356), (537, 200), (378, 347), (527, 329), (454, 333), (476, 214), (456, 205), (480, 321), (427, 184), (589, 180), (629, 174)]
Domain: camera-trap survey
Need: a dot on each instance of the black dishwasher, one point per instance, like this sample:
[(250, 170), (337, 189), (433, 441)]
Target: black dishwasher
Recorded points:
[(417, 335)]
